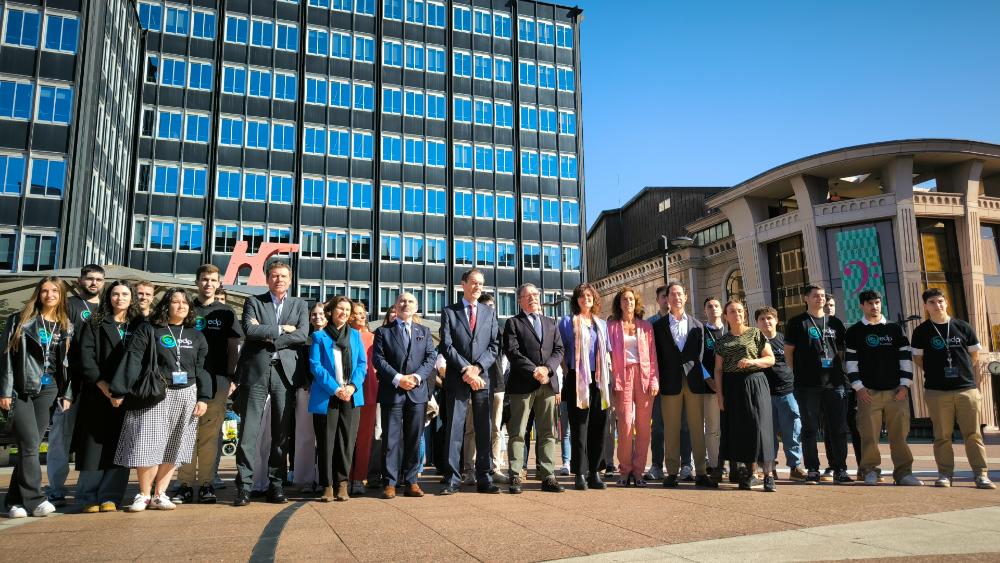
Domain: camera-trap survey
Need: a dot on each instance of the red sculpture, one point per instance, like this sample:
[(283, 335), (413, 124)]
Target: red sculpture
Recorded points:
[(256, 263)]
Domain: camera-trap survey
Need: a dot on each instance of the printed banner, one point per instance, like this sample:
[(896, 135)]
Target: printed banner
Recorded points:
[(860, 268)]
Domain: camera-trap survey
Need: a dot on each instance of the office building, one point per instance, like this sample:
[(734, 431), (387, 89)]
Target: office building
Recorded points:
[(398, 142), (68, 107)]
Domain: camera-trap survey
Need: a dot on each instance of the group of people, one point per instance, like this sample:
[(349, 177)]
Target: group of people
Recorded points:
[(128, 384)]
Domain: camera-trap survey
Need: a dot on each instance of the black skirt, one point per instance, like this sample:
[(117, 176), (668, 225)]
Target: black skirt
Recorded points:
[(747, 428)]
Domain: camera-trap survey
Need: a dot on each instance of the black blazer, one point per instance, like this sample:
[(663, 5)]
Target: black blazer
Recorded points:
[(673, 363), (461, 346), (391, 358), (525, 352), (262, 339)]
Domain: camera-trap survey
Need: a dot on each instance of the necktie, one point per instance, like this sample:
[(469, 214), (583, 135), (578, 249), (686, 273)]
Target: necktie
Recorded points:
[(406, 335), (535, 322), (472, 317)]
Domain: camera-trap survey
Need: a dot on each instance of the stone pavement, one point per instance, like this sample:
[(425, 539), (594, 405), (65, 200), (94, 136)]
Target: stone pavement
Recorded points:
[(798, 521)]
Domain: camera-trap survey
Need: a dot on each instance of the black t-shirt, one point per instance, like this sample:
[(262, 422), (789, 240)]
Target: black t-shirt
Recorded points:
[(79, 312), (50, 337), (712, 336), (218, 323), (193, 349), (815, 338), (878, 355), (779, 377), (929, 341)]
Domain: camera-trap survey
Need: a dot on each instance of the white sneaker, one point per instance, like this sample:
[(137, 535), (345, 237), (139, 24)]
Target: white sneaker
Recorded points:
[(983, 482), (943, 480), (139, 503), (871, 478), (685, 474), (910, 481), (17, 511), (43, 509), (161, 502), (565, 470)]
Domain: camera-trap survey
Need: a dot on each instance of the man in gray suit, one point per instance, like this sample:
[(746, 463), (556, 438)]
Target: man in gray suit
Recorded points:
[(469, 343), (276, 326)]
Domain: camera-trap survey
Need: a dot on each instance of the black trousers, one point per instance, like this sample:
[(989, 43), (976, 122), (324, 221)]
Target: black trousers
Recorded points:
[(586, 428), (336, 432), (250, 405), (31, 417), (481, 412), (852, 425)]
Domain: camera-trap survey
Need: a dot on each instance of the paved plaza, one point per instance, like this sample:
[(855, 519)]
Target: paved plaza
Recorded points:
[(798, 522)]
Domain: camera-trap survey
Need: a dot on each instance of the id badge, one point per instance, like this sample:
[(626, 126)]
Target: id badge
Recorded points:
[(826, 362), (951, 373), (46, 380), (179, 377)]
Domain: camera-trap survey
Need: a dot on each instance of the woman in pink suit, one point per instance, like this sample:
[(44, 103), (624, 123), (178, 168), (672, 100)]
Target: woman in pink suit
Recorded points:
[(366, 427), (636, 383)]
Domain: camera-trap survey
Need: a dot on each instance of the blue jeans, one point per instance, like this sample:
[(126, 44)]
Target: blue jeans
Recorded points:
[(422, 450), (656, 438), (60, 439), (788, 423), (565, 434), (831, 404)]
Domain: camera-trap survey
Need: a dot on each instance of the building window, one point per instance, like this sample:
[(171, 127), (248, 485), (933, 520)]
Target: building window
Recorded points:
[(318, 42), (567, 167), (437, 251), (161, 235), (530, 209), (550, 211), (504, 115), (195, 182), (392, 54), (413, 199), (571, 258), (281, 189), (391, 198), (566, 79), (365, 7), (48, 177), (226, 237), (788, 272), (258, 134), (392, 101), (464, 204), (526, 30), (361, 247), (196, 128), (546, 33), (260, 83), (316, 91), (204, 25), (284, 87), (990, 235), (564, 36), (192, 237), (312, 245), (484, 67), (22, 28), (485, 206), (528, 74), (436, 15), (546, 77), (389, 248), (362, 145), (940, 263), (55, 104), (340, 45), (567, 123), (364, 97), (529, 118), (61, 33), (314, 141), (38, 252), (413, 250), (547, 120), (254, 187), (570, 213), (177, 21), (174, 72), (229, 185), (11, 174), (364, 49), (437, 201), (484, 112), (462, 64), (336, 245), (484, 158), (464, 253), (340, 94), (413, 103), (550, 165), (436, 60), (392, 149), (234, 80), (505, 160), (231, 132), (413, 151), (551, 258), (462, 19), (262, 33), (532, 258), (501, 26), (15, 99), (485, 253), (415, 11), (340, 143), (150, 16), (504, 70), (201, 76), (288, 38), (392, 9), (734, 286), (283, 137), (361, 196), (237, 30), (169, 125), (414, 57), (313, 191)]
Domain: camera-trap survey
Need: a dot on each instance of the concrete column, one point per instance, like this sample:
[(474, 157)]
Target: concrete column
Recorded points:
[(744, 214), (809, 192), (897, 178)]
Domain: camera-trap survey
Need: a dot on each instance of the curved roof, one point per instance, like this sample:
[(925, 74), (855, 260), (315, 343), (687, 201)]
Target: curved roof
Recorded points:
[(851, 160)]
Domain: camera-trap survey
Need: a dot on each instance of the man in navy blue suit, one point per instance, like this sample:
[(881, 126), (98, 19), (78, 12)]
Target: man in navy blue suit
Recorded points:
[(404, 356), (470, 341)]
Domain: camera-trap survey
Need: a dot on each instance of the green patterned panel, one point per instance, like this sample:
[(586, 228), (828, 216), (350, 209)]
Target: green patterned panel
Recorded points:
[(860, 267)]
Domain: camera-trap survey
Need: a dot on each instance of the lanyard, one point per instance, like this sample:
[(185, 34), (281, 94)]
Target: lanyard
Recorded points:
[(708, 331), (177, 345), (48, 343), (946, 337), (822, 335)]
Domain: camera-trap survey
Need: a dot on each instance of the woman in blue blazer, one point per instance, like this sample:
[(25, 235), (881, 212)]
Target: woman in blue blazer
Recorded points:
[(338, 365)]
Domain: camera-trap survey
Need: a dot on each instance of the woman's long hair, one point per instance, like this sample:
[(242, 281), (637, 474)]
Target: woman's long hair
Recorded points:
[(107, 311), (161, 314), (33, 308), (574, 305), (726, 310), (616, 306), (364, 328)]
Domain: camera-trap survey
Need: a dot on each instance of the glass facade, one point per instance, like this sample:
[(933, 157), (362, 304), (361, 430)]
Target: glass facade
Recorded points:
[(386, 138), (66, 132), (940, 264), (787, 269)]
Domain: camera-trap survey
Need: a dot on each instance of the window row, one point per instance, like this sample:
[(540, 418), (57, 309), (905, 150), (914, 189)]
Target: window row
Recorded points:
[(482, 66), (534, 256), (23, 27), (181, 73), (548, 120), (45, 103), (259, 83), (177, 20), (314, 291), (31, 251), (546, 76), (226, 236), (482, 22), (260, 32), (363, 7), (168, 234), (414, 103), (548, 165), (544, 32), (47, 176), (417, 12)]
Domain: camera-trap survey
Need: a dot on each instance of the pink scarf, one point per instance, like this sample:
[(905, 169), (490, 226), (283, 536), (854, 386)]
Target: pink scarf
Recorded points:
[(582, 344)]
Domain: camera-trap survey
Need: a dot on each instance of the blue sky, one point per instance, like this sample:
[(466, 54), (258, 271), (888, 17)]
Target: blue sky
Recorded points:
[(694, 93)]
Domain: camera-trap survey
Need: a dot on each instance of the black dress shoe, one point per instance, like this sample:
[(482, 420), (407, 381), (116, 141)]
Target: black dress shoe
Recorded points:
[(257, 494), (550, 485), (449, 490), (242, 498), (275, 495), (489, 489), (670, 481), (595, 482), (580, 483), (515, 486), (704, 481)]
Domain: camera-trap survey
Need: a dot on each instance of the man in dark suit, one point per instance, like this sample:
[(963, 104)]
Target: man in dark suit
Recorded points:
[(469, 343), (403, 355), (276, 326), (679, 350), (534, 348)]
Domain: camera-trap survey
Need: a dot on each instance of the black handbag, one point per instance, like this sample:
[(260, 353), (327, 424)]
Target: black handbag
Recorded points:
[(150, 389)]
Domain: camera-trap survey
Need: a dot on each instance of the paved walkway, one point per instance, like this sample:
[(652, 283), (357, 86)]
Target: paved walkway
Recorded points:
[(662, 523)]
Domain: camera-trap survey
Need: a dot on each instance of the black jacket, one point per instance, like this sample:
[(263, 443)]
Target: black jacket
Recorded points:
[(525, 352), (674, 364), (21, 370)]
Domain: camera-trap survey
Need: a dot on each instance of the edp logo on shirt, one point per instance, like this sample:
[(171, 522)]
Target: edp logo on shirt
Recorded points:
[(85, 315), (199, 323), (814, 333), (44, 336), (168, 341), (874, 340)]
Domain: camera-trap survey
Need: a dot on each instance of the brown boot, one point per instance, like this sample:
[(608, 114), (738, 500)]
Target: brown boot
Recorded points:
[(413, 490), (342, 492), (327, 495), (389, 492)]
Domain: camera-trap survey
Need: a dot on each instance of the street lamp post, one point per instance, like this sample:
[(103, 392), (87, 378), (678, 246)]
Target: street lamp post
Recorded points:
[(672, 245)]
